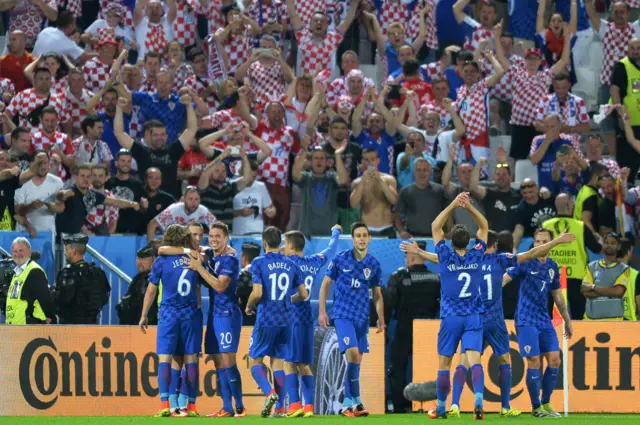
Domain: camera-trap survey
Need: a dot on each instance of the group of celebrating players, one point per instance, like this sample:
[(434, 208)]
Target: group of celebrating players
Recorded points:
[(471, 315)]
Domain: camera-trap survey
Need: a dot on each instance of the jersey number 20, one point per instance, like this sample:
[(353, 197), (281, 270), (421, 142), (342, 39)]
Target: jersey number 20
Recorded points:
[(279, 282)]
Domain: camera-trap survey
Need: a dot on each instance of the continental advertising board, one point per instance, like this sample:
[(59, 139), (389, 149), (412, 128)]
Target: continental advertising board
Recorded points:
[(603, 360), (112, 370)]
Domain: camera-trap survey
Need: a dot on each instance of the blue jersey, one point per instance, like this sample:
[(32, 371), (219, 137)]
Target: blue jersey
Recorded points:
[(178, 282), (225, 303), (494, 267), (353, 280), (522, 18), (277, 275), (309, 267), (537, 280), (460, 277)]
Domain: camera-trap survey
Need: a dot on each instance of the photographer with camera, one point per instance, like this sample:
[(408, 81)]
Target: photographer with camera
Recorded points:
[(28, 298)]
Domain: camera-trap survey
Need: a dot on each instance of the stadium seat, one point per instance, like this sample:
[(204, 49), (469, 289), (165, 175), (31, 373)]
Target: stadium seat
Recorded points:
[(525, 169)]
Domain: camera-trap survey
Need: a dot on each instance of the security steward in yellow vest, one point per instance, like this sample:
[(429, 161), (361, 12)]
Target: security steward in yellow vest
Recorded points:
[(572, 255), (625, 81), (605, 283), (588, 199), (632, 294), (28, 300)]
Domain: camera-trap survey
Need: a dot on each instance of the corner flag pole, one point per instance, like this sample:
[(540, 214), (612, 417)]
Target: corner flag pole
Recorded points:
[(558, 320)]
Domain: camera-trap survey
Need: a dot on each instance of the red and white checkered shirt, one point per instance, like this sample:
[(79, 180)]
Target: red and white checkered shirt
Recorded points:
[(175, 214), (42, 141), (615, 42), (198, 85), (183, 72), (316, 56), (282, 141), (306, 8), (527, 92), (392, 11), (184, 25), (58, 86), (504, 89), (128, 17), (572, 111), (224, 119), (267, 83), (153, 37), (84, 153), (213, 12), (75, 7), (238, 48), (268, 12), (96, 74), (135, 125), (27, 17), (472, 105), (612, 166), (99, 213), (445, 117), (74, 109), (338, 87), (147, 85), (478, 34), (413, 28), (6, 86), (26, 101)]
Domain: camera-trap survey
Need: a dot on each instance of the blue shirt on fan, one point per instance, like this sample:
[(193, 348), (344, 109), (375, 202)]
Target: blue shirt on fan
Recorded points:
[(460, 277), (353, 279), (277, 275)]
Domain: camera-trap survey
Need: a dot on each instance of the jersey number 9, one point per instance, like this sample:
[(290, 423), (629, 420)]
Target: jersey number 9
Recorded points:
[(279, 286)]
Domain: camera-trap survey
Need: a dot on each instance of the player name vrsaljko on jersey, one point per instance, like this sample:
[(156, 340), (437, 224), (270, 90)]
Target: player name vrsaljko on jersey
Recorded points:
[(461, 277)]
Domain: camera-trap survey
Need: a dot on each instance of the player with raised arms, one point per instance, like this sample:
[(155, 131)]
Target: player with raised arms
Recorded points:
[(534, 329), (275, 281), (179, 332), (355, 272), (299, 359), (460, 301), (495, 333), (225, 318)]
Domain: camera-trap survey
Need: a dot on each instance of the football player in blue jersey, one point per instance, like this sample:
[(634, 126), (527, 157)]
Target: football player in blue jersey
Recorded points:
[(225, 318), (494, 332), (355, 272), (300, 356), (179, 332), (534, 329), (460, 301), (275, 281)]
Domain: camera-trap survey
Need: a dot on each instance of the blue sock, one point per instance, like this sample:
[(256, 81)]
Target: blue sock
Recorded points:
[(308, 389), (164, 380), (533, 386), (235, 382), (443, 385), (549, 380), (355, 386), (477, 380), (504, 381), (183, 399), (259, 373), (173, 388), (192, 382), (352, 377), (348, 400), (459, 379), (293, 387), (225, 390), (280, 387)]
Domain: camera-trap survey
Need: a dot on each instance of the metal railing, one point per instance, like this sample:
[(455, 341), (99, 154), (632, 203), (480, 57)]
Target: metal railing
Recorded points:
[(117, 280)]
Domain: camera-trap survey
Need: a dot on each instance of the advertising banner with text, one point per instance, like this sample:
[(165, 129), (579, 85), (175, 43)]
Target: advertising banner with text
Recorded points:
[(603, 360), (112, 370)]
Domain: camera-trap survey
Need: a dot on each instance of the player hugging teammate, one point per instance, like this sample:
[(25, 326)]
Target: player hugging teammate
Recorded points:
[(472, 315)]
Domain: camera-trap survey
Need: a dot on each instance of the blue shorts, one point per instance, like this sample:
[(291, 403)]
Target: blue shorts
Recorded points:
[(269, 341), (223, 334), (300, 345), (352, 334), (496, 335), (536, 340), (179, 331), (454, 329)]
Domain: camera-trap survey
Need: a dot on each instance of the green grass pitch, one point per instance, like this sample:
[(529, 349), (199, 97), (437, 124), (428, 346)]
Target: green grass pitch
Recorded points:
[(415, 419)]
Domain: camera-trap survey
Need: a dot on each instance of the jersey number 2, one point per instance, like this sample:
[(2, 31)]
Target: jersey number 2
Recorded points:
[(279, 282), (466, 277)]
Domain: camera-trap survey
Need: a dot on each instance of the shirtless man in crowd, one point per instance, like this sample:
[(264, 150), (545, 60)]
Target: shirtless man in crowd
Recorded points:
[(375, 193)]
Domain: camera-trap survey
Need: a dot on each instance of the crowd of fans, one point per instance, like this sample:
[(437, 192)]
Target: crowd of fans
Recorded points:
[(126, 116)]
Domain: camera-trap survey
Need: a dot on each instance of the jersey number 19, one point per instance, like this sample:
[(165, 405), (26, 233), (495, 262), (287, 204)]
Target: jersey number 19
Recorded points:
[(279, 286)]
